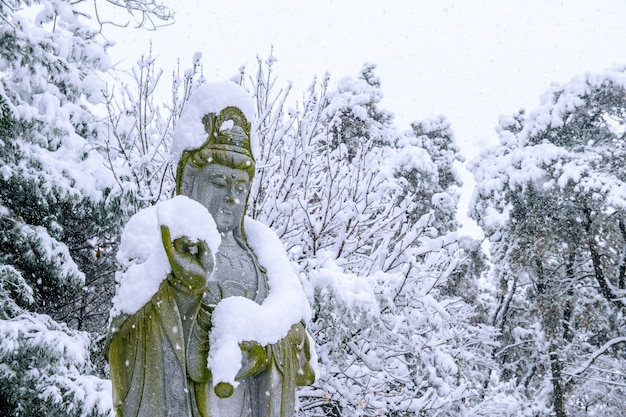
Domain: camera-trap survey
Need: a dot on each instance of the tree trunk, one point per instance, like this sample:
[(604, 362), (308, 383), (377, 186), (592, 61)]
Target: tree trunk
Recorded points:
[(557, 387), (605, 290)]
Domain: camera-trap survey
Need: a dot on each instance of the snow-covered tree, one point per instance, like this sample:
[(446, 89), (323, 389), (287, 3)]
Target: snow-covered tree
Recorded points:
[(139, 128), (59, 213), (551, 198), (367, 213), (435, 136)]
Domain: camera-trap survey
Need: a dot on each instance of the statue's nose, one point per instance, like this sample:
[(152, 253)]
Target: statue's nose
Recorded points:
[(230, 194)]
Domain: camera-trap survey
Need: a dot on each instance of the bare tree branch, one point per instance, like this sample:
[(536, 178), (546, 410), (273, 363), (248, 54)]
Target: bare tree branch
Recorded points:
[(147, 14)]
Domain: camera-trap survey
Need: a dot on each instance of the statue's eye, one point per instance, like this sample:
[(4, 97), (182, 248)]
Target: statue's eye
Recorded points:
[(242, 188), (219, 182)]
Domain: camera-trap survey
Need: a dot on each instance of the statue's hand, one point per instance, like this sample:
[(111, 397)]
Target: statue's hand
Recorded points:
[(191, 262), (254, 359)]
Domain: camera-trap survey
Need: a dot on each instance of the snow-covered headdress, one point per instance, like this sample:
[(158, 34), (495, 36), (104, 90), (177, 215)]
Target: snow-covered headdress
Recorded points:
[(214, 128), (227, 143)]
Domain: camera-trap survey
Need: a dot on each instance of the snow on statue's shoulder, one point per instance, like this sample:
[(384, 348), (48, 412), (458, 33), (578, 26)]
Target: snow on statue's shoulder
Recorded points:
[(142, 256), (238, 319), (208, 98)]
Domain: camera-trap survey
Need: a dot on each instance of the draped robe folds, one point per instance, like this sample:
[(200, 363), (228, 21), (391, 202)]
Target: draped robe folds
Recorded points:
[(154, 371)]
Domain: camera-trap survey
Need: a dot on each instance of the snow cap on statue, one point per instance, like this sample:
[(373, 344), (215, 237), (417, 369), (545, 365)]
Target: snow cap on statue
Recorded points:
[(191, 130), (214, 128)]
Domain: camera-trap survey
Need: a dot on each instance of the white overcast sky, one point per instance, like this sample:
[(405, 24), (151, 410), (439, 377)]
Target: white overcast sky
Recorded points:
[(470, 60)]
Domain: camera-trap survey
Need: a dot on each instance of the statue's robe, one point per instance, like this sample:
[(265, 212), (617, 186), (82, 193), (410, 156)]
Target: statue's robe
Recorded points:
[(152, 367), (147, 358)]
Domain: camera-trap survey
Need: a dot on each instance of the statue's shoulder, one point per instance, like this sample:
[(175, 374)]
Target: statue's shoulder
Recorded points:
[(258, 232), (254, 227), (262, 239)]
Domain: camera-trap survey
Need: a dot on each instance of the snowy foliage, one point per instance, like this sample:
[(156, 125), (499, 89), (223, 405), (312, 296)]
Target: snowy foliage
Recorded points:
[(367, 212), (59, 211), (139, 129), (551, 198), (45, 369)]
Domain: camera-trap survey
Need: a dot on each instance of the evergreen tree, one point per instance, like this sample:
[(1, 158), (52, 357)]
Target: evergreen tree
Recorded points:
[(59, 213), (551, 200), (436, 137)]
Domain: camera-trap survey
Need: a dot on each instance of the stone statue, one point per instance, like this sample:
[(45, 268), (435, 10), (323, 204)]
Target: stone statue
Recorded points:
[(158, 355)]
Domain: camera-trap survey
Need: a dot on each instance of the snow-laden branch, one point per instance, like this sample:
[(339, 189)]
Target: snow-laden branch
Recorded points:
[(617, 384), (582, 368), (367, 361)]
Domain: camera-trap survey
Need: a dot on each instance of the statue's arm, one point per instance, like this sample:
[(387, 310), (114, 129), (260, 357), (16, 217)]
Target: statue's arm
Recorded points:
[(198, 347), (298, 342), (294, 351), (192, 264)]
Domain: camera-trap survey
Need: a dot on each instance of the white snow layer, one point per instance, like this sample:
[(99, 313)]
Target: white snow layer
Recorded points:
[(142, 256), (208, 98), (238, 319)]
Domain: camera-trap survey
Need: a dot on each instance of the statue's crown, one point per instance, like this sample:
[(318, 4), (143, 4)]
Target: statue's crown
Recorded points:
[(228, 131), (227, 142)]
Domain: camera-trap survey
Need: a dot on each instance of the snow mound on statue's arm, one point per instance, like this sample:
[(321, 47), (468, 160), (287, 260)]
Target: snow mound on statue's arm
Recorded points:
[(141, 253), (238, 319)]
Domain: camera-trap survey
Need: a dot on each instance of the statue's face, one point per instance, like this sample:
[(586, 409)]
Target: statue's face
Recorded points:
[(223, 191)]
